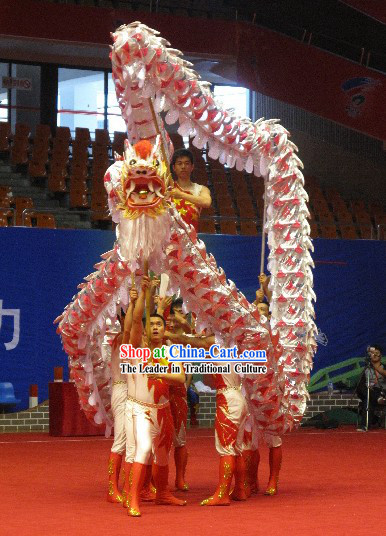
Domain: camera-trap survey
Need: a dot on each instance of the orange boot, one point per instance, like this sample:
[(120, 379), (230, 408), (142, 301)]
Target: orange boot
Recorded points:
[(163, 495), (148, 491), (221, 495), (138, 471), (254, 471), (114, 467), (127, 483), (241, 488), (248, 461), (181, 460), (275, 458)]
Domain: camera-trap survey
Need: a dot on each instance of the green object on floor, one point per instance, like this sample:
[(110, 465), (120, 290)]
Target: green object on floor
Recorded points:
[(332, 418)]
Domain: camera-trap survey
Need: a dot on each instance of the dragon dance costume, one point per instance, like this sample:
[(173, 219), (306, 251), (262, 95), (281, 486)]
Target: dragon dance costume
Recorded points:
[(189, 212), (231, 414), (151, 78)]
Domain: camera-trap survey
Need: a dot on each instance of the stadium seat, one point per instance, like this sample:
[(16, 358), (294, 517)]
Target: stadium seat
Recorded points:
[(82, 136), (314, 233), (208, 212), (40, 152), (247, 209), (248, 227), (366, 231), (328, 231), (78, 197), (343, 215), (29, 219), (7, 396), (358, 205), (207, 226), (200, 176), (118, 142), (362, 216), (42, 133), (228, 227), (102, 137), (99, 209), (46, 219), (3, 220), (5, 192), (325, 216), (57, 177), (20, 145), (222, 193), (348, 232), (63, 134), (22, 203)]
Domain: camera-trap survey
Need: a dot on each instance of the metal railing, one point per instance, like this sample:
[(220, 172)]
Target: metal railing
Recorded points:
[(6, 211)]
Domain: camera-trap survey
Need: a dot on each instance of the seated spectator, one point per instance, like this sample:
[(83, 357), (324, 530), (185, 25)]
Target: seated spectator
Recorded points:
[(377, 381)]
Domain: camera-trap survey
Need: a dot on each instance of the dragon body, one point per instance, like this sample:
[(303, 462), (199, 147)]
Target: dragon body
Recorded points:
[(151, 78)]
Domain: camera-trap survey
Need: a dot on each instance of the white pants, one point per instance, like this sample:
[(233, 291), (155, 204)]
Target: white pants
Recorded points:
[(118, 403), (129, 427), (231, 414), (153, 433)]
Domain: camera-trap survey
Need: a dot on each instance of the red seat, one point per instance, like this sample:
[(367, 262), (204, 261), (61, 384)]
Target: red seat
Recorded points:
[(247, 209), (366, 231), (20, 145), (314, 232), (348, 232), (78, 197), (22, 203), (57, 177), (207, 226), (118, 142), (248, 228), (328, 231), (228, 227)]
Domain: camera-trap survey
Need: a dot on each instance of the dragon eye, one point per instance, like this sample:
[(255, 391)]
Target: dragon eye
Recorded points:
[(132, 162), (156, 163)]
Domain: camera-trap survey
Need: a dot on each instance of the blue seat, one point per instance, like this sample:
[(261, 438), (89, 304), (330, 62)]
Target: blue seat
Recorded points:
[(7, 395)]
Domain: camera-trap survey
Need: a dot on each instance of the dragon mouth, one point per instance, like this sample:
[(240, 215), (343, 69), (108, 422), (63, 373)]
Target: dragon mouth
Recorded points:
[(144, 191)]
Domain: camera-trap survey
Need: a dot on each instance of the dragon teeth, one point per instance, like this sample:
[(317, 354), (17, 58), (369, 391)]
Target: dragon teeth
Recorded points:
[(132, 186), (157, 190)]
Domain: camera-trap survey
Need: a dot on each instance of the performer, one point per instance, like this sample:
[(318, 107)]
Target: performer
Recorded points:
[(118, 403), (189, 197), (152, 420), (251, 457), (231, 413), (179, 410), (176, 324)]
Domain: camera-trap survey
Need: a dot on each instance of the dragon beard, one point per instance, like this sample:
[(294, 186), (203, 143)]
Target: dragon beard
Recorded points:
[(144, 238)]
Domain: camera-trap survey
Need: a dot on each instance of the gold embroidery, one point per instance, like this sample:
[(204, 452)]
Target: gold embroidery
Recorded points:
[(227, 471), (111, 488), (111, 467)]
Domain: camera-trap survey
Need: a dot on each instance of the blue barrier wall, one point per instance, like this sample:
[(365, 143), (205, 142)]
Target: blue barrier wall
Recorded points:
[(41, 268)]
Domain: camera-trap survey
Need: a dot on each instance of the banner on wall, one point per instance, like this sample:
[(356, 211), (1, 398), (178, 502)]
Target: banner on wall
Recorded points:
[(41, 268), (312, 79)]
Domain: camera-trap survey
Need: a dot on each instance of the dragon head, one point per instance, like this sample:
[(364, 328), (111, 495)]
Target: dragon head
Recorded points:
[(143, 181)]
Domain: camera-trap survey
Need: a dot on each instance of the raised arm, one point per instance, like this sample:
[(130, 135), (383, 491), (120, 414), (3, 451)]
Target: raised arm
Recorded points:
[(129, 316), (137, 327), (264, 280)]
